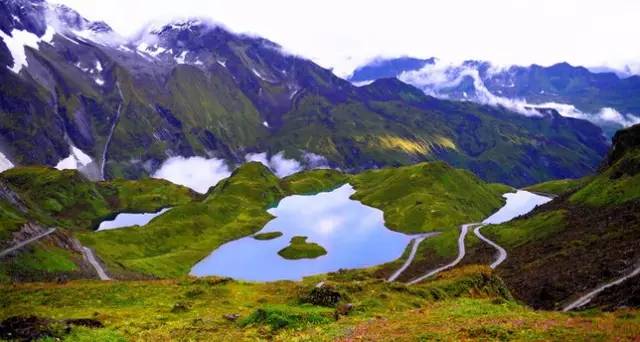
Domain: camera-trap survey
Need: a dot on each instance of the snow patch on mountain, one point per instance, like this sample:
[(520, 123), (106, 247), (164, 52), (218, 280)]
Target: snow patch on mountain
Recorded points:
[(180, 59), (5, 163), (19, 40), (76, 160)]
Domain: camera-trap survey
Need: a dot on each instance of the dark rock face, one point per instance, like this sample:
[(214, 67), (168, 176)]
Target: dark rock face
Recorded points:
[(623, 141)]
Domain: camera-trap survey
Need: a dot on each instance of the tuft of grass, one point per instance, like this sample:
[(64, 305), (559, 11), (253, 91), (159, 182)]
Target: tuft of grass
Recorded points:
[(267, 236), (299, 248), (288, 316)]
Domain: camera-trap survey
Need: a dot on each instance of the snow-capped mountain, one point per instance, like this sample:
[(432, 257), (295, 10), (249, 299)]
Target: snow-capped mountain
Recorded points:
[(75, 94), (604, 98)]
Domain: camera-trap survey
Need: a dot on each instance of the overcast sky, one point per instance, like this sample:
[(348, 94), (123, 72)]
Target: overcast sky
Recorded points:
[(342, 34)]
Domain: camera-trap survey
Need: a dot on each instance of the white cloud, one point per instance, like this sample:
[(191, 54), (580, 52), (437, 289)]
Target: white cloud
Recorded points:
[(345, 34), (278, 163), (315, 161), (435, 79), (439, 76), (196, 173)]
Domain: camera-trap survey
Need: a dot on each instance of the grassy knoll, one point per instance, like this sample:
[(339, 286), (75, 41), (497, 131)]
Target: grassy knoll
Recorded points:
[(427, 197), (465, 303), (618, 184), (299, 248), (267, 236), (313, 181)]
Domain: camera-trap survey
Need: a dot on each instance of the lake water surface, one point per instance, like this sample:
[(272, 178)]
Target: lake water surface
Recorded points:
[(518, 203), (129, 219), (353, 234)]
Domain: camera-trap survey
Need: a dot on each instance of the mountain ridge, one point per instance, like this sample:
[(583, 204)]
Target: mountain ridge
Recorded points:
[(200, 90)]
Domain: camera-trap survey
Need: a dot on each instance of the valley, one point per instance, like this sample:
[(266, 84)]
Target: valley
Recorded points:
[(191, 182)]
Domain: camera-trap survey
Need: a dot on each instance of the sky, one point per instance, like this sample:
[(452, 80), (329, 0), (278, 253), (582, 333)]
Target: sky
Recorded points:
[(341, 34)]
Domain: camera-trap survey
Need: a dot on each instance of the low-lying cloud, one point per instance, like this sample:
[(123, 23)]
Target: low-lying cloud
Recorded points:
[(197, 173), (278, 163), (435, 79)]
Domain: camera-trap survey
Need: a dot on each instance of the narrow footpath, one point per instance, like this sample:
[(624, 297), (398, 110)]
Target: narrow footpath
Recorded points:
[(26, 242)]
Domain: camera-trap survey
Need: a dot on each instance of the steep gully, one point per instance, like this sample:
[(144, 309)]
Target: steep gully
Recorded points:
[(113, 128)]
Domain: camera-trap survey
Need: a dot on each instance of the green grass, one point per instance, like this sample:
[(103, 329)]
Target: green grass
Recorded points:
[(299, 248), (460, 304), (618, 184), (67, 199), (558, 186), (427, 197), (313, 181), (267, 236), (38, 260), (521, 231), (288, 316)]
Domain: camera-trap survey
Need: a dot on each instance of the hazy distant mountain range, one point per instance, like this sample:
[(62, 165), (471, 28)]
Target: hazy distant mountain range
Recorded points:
[(605, 98)]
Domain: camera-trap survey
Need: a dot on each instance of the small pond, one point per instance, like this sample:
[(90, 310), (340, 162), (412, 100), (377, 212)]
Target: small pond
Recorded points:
[(130, 219), (353, 234), (518, 203)]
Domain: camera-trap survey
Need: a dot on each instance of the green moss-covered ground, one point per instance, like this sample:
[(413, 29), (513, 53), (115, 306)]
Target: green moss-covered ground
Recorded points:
[(300, 248), (558, 187), (267, 236), (428, 196), (467, 303)]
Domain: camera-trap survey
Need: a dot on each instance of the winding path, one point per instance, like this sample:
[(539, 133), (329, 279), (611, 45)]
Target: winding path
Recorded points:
[(461, 253), (91, 258), (502, 253), (589, 296), (26, 242), (414, 249)]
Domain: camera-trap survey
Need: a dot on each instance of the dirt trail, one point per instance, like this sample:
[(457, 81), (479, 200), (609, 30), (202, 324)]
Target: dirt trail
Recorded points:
[(461, 253), (26, 242), (414, 249), (91, 258), (502, 253)]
